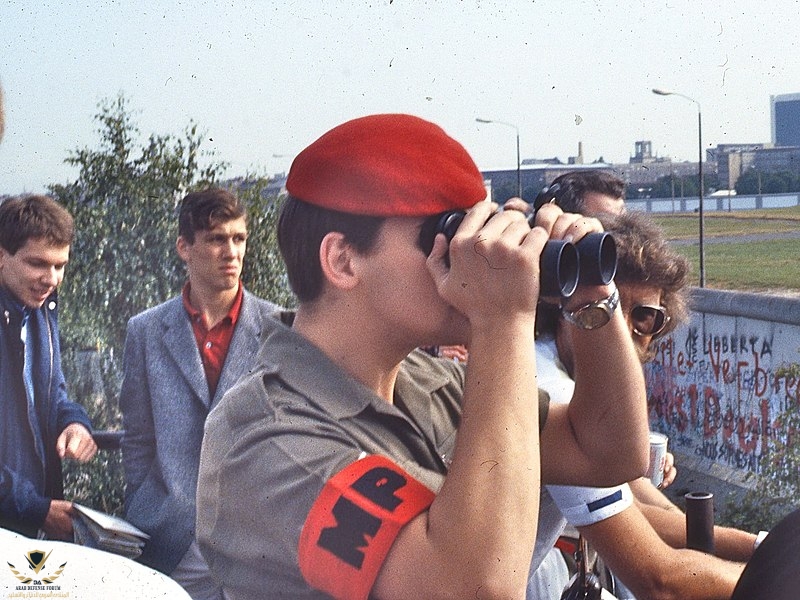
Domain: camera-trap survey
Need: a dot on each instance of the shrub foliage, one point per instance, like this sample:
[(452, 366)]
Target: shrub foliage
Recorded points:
[(123, 261)]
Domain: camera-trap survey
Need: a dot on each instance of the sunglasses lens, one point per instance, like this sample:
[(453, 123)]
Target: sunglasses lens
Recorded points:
[(648, 320)]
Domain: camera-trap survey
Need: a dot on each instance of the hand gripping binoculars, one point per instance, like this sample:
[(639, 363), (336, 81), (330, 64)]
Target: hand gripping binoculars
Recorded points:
[(563, 265)]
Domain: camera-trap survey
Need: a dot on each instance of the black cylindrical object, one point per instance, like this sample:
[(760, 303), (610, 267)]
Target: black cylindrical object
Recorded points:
[(559, 269), (559, 263), (700, 521), (598, 258)]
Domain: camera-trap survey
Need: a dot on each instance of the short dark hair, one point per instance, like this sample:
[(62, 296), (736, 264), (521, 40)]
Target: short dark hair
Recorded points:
[(573, 185), (34, 217), (205, 209), (301, 227)]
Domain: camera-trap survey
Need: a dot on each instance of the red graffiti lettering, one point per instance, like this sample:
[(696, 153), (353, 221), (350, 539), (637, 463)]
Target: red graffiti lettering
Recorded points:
[(760, 378), (664, 352), (678, 415), (727, 376), (711, 417), (748, 434), (765, 426), (727, 425)]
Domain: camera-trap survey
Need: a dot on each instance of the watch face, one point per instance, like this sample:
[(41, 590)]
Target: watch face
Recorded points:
[(592, 317), (595, 314)]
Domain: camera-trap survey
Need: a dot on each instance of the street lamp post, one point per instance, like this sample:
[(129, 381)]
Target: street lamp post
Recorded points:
[(519, 178), (699, 176)]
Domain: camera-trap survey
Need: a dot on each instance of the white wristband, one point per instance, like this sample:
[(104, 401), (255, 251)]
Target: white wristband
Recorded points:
[(760, 538)]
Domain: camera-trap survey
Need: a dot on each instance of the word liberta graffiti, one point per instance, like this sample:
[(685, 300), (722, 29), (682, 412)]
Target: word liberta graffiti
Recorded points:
[(721, 386)]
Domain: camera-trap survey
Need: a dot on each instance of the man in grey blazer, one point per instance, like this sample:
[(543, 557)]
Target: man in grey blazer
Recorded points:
[(180, 358)]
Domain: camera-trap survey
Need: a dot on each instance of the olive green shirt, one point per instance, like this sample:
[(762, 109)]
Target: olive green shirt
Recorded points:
[(281, 433)]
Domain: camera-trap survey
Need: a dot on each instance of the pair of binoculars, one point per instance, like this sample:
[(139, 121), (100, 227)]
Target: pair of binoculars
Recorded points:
[(563, 265)]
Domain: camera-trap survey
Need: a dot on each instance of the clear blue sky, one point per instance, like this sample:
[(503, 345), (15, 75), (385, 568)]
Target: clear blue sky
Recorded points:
[(266, 78)]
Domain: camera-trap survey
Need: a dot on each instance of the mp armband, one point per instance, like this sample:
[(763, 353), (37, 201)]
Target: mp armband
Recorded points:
[(594, 314), (353, 523)]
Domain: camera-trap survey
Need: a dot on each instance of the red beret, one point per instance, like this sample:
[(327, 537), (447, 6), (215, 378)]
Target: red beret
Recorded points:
[(390, 165)]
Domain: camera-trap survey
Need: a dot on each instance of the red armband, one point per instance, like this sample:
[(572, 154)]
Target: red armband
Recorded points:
[(353, 524)]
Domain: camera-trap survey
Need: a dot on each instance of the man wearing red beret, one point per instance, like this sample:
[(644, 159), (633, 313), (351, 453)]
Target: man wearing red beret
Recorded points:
[(353, 465)]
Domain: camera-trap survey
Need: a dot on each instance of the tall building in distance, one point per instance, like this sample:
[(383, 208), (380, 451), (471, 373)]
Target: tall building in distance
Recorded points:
[(785, 119)]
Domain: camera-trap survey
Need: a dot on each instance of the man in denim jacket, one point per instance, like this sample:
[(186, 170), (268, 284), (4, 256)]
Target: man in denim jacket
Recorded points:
[(39, 426)]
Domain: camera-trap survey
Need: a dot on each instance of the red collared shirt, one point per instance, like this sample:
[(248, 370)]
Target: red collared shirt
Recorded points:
[(213, 344)]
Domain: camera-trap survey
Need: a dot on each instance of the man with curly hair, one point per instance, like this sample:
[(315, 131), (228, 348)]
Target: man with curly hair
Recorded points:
[(639, 533)]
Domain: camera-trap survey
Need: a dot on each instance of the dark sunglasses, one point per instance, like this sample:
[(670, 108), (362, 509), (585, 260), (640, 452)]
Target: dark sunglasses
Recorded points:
[(648, 320)]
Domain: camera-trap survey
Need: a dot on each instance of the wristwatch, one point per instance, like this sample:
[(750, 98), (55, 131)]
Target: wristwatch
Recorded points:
[(595, 314)]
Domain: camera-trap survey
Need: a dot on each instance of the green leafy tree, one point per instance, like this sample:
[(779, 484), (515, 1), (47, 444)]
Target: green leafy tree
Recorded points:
[(264, 273), (123, 261), (780, 182), (753, 181), (748, 183), (124, 202), (676, 186)]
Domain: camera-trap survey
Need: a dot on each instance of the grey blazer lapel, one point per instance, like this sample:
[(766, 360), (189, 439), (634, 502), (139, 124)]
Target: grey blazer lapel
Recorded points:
[(182, 347), (244, 346)]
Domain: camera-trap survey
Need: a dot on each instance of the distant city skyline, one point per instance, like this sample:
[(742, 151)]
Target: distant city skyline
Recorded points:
[(785, 119), (264, 78)]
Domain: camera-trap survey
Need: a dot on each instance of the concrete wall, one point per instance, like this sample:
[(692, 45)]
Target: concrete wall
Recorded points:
[(716, 203), (718, 385)]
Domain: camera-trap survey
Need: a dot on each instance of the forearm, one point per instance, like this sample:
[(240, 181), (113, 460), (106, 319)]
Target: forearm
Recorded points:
[(480, 530), (493, 483), (689, 575), (664, 517), (608, 409), (734, 544), (729, 544), (652, 569), (670, 523)]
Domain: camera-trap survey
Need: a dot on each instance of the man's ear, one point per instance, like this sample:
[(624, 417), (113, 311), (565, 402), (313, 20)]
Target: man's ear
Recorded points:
[(182, 246), (336, 257)]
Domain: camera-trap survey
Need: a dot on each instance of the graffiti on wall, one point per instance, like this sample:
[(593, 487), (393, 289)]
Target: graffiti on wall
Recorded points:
[(718, 387)]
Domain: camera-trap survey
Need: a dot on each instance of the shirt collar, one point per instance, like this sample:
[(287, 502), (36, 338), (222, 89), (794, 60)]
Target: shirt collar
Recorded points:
[(340, 394), (12, 306), (233, 312)]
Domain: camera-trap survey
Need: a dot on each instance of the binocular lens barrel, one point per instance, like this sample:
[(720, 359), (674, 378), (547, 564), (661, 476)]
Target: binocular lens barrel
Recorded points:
[(592, 261), (598, 258), (559, 269)]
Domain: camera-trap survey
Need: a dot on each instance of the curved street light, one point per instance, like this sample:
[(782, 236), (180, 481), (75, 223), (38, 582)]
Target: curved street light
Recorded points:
[(660, 92), (519, 178)]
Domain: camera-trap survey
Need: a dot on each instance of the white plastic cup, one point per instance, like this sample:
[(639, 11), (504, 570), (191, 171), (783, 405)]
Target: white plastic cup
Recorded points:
[(658, 457)]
